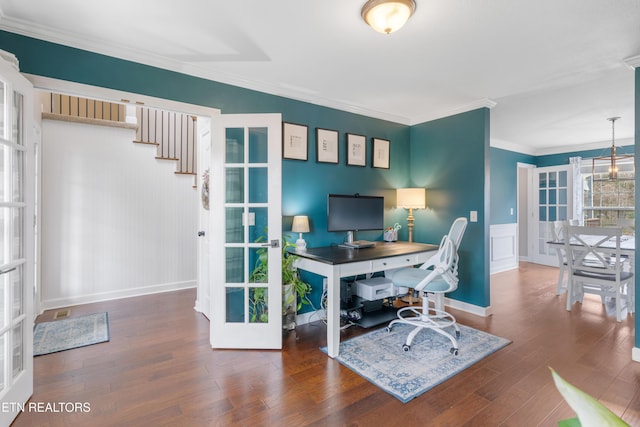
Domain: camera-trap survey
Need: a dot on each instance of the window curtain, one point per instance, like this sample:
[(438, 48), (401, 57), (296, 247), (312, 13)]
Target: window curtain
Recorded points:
[(578, 192)]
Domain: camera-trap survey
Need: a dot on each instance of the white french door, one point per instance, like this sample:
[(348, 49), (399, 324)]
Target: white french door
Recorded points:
[(203, 303), (246, 225), (16, 241), (552, 201)]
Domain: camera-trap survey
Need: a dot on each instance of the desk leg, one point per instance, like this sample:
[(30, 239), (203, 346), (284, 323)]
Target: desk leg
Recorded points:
[(333, 314)]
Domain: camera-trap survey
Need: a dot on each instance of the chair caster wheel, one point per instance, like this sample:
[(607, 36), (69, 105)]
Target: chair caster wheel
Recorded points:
[(454, 351), (457, 335), (405, 348)]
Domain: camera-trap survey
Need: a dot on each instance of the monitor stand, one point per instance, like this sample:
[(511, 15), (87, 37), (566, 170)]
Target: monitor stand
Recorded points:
[(357, 243)]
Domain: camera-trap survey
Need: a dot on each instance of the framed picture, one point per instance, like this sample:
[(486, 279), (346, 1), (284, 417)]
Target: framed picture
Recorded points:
[(356, 150), (326, 145), (294, 141), (380, 158)]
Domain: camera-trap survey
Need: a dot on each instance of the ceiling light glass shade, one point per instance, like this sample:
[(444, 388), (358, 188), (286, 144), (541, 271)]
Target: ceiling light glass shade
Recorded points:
[(387, 16)]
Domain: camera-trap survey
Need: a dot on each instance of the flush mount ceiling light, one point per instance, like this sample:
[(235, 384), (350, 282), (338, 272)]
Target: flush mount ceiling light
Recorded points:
[(387, 16)]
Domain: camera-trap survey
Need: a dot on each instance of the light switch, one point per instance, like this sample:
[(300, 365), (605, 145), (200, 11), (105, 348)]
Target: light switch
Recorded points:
[(473, 216)]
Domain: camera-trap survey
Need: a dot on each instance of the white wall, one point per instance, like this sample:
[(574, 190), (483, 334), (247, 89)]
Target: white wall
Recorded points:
[(116, 222)]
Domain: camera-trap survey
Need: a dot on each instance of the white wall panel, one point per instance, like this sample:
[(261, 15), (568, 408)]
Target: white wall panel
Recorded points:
[(503, 247), (115, 221)]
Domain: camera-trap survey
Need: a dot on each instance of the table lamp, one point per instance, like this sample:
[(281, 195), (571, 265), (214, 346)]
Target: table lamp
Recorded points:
[(411, 198), (300, 225)]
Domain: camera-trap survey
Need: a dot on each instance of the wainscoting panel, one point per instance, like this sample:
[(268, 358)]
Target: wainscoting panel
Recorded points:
[(503, 247)]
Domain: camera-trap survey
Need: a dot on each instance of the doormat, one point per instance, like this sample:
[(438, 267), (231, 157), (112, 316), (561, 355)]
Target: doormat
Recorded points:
[(68, 333)]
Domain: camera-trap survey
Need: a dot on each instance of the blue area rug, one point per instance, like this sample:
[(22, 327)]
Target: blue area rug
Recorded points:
[(378, 357), (74, 332)]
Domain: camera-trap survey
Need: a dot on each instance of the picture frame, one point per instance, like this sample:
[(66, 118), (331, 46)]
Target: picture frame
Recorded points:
[(327, 146), (356, 150), (380, 153), (294, 141)]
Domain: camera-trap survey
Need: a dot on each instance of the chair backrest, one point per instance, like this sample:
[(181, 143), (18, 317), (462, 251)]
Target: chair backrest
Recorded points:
[(559, 230), (457, 231), (445, 264), (594, 250)]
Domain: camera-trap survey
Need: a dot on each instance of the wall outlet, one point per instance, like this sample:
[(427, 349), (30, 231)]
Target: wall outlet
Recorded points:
[(511, 211), (473, 216)]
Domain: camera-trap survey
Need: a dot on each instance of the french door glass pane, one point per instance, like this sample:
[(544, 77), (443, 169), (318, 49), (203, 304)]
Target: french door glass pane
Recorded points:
[(235, 304), (234, 152), (259, 229), (234, 230), (234, 265), (259, 305), (17, 284), (258, 185), (16, 175), (258, 147), (235, 185), (17, 128), (17, 349)]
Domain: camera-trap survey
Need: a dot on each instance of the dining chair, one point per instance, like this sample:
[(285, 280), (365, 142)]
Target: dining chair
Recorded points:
[(558, 232), (597, 266)]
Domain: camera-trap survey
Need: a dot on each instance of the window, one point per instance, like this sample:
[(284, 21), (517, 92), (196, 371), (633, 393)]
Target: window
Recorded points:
[(608, 202)]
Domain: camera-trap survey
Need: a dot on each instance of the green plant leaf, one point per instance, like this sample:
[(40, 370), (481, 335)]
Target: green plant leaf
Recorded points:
[(589, 411)]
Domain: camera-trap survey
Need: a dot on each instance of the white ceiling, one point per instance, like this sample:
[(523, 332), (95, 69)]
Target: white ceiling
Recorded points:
[(555, 69)]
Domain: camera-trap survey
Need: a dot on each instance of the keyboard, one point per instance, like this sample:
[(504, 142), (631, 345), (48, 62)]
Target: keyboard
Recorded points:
[(359, 244)]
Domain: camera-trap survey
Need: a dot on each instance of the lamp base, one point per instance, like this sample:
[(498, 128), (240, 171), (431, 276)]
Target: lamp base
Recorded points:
[(301, 245)]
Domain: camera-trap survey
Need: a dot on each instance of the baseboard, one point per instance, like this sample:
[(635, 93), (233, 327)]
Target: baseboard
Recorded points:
[(123, 293), (469, 308), (635, 354), (311, 316), (505, 268)]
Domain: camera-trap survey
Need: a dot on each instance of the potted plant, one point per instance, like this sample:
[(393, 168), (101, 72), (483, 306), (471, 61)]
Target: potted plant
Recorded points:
[(294, 293)]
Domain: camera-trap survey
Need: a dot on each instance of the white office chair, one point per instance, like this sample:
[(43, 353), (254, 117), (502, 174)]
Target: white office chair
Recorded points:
[(596, 266), (442, 279)]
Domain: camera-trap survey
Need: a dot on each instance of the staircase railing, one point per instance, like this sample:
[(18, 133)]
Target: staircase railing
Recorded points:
[(173, 133)]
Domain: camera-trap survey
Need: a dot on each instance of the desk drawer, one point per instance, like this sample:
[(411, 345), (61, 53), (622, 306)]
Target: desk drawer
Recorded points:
[(395, 262)]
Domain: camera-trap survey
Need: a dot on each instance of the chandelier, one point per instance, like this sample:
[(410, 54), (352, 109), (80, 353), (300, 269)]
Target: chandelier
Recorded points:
[(613, 158)]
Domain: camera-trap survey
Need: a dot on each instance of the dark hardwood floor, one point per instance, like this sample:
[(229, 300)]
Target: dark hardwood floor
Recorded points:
[(158, 369)]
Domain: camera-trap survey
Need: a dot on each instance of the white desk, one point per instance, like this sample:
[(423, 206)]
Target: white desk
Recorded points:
[(335, 262)]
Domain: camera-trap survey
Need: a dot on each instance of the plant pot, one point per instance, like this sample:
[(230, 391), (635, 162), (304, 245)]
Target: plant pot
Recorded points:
[(289, 303)]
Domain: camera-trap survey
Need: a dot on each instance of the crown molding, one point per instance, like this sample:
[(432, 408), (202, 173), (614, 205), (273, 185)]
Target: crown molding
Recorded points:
[(474, 105), (633, 62), (126, 53), (512, 146)]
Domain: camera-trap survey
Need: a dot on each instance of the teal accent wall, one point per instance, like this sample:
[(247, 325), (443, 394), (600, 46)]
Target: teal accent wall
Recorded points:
[(504, 184), (450, 158), (305, 184)]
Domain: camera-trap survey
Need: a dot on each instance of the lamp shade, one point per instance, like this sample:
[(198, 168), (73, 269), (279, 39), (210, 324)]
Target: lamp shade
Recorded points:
[(300, 224), (414, 198), (387, 16)]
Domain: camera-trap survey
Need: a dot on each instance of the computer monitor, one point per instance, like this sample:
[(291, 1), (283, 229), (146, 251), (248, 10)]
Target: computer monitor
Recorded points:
[(354, 212)]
